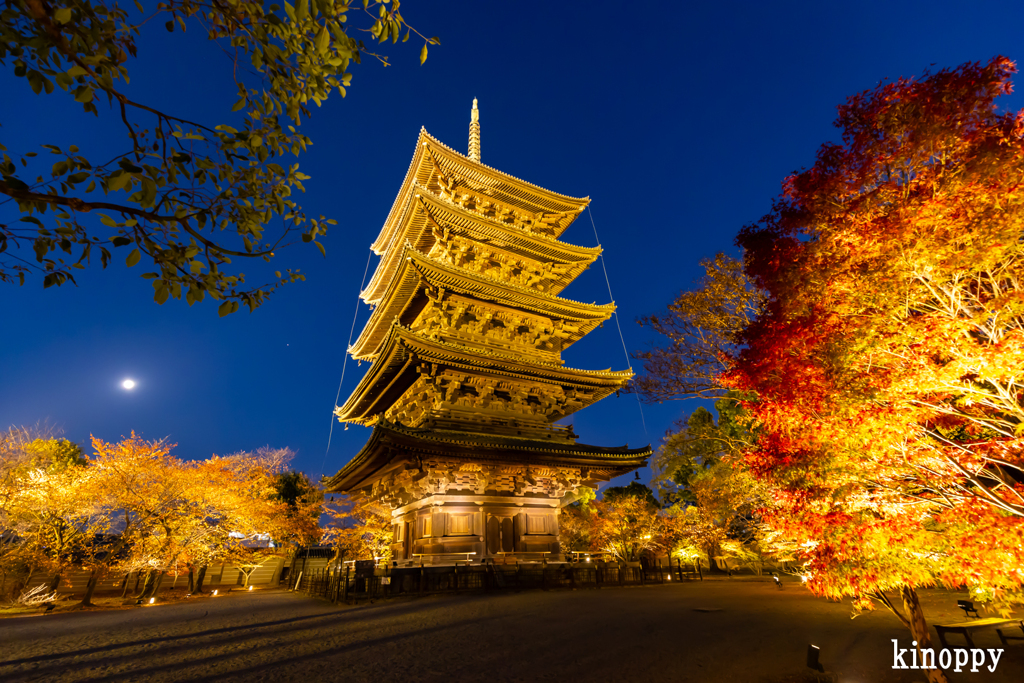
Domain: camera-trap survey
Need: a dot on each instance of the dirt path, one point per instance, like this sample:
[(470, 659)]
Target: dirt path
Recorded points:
[(711, 631)]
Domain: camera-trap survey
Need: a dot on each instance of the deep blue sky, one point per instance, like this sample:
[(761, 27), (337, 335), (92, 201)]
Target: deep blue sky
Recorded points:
[(679, 120)]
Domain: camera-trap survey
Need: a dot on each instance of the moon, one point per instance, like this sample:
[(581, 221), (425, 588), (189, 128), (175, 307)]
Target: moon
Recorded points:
[(128, 384)]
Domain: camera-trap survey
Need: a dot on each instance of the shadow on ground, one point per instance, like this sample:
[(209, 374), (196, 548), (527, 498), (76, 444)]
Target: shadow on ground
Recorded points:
[(711, 631)]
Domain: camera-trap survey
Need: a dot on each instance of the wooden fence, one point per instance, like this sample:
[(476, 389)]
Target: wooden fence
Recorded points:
[(217, 575), (351, 584)]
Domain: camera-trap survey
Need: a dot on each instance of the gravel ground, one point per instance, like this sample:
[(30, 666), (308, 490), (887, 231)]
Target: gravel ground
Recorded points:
[(742, 631)]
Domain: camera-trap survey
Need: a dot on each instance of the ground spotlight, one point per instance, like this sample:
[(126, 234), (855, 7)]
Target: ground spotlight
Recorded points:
[(812, 658), (152, 600), (214, 592)]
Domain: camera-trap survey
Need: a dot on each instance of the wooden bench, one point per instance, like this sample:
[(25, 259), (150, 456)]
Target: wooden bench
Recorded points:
[(964, 628)]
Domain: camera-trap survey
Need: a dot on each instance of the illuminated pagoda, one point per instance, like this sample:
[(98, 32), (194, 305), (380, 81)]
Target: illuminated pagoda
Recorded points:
[(467, 382)]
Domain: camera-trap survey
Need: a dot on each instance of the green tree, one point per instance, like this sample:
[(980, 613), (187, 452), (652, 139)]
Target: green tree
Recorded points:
[(633, 490), (304, 498), (54, 454), (189, 198), (701, 468), (296, 489)]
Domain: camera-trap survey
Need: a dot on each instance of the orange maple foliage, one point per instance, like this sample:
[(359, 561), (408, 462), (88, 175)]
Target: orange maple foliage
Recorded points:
[(134, 507), (359, 529), (173, 515)]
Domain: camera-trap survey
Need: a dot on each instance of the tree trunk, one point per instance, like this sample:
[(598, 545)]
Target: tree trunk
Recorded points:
[(147, 587), (191, 579), (712, 565), (90, 588), (153, 581), (18, 590), (54, 582), (199, 579), (159, 580), (919, 629), (124, 584)]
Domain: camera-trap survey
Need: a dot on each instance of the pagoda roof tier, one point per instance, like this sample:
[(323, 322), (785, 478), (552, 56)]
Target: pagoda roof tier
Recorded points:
[(403, 353), (466, 176), (426, 214), (417, 272), (392, 445)]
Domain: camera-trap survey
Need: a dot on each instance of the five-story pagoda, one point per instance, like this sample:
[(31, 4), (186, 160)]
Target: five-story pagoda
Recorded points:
[(467, 380)]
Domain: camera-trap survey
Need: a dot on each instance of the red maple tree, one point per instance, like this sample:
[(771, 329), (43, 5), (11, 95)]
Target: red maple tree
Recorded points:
[(888, 364)]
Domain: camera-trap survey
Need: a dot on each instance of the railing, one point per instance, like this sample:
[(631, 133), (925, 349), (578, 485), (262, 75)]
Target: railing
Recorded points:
[(346, 585)]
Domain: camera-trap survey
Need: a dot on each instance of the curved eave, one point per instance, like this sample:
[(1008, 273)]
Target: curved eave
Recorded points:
[(417, 269), (387, 378), (528, 193), (413, 228), (370, 459), (375, 457)]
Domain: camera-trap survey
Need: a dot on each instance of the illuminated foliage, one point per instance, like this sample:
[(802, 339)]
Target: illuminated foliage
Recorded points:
[(701, 467), (181, 514), (887, 364), (701, 328), (135, 507), (627, 522), (187, 197), (632, 490), (626, 525), (359, 529), (305, 502), (43, 523), (575, 523), (53, 454)]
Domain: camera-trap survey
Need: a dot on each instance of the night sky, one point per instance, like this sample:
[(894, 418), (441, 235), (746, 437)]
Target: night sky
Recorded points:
[(679, 120)]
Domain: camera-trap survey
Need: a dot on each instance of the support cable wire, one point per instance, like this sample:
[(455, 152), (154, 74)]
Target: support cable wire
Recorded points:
[(616, 314), (345, 363)]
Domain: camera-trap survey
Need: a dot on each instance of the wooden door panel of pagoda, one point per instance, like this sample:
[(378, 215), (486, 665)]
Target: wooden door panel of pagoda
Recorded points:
[(493, 535), (500, 534), (507, 535)]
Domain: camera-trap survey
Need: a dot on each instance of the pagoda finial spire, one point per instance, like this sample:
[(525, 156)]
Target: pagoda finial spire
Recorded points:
[(474, 133)]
